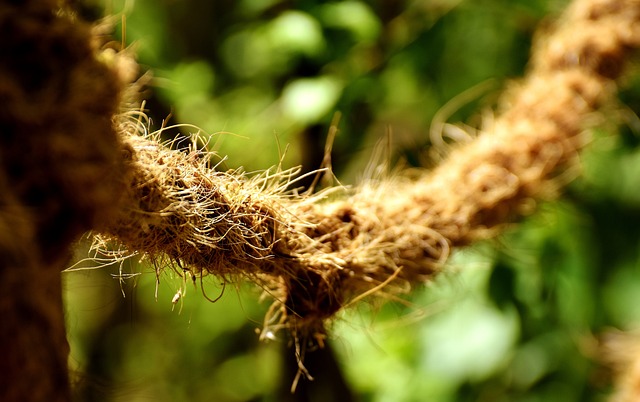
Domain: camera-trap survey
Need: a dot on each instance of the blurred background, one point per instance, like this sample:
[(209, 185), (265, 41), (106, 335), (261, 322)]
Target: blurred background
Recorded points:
[(514, 319)]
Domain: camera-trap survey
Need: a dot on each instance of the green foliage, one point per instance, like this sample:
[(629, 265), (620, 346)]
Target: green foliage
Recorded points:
[(253, 74), (512, 320)]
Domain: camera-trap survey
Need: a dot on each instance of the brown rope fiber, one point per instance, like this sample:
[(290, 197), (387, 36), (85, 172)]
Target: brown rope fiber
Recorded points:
[(317, 254), (70, 162)]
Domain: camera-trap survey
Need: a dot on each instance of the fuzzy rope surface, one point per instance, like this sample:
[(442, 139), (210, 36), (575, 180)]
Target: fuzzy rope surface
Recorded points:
[(65, 170), (317, 254)]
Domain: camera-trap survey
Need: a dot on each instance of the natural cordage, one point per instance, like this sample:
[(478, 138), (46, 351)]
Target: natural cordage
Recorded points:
[(316, 254), (73, 160)]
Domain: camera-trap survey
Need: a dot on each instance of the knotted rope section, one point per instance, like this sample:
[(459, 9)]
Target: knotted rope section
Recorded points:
[(316, 254)]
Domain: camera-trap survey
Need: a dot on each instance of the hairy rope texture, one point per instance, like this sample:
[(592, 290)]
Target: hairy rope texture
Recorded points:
[(317, 254), (67, 166)]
